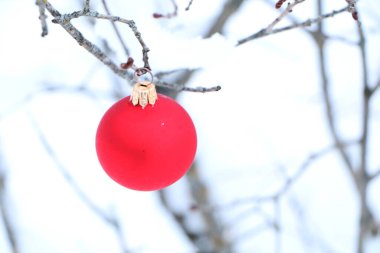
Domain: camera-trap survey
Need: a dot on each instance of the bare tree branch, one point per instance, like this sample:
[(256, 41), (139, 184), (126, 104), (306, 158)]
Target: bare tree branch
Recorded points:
[(215, 236), (217, 242), (64, 21), (288, 10), (189, 5), (375, 88), (341, 39), (269, 222), (309, 22), (230, 7), (320, 40), (375, 175), (86, 6), (367, 221), (277, 226), (185, 88), (4, 212), (359, 176), (82, 41), (366, 98), (66, 18), (289, 182), (352, 8), (180, 219), (211, 238), (172, 14), (308, 234), (42, 17)]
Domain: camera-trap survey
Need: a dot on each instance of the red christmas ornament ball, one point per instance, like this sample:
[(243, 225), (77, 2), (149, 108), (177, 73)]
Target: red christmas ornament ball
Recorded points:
[(146, 148)]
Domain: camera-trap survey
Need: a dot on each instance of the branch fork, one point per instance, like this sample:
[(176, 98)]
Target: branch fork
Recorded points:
[(65, 21)]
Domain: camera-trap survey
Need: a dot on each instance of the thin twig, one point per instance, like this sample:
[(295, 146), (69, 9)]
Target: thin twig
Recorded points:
[(366, 98), (94, 50), (366, 216), (185, 88), (243, 216), (216, 241), (64, 21), (172, 14), (42, 17), (305, 229), (86, 6), (375, 175), (82, 41), (4, 213), (255, 231), (229, 9), (375, 88), (307, 23), (189, 5), (359, 177), (277, 225), (267, 222), (175, 7), (352, 8), (341, 39), (320, 40), (118, 34), (180, 219), (283, 14), (289, 181), (66, 18)]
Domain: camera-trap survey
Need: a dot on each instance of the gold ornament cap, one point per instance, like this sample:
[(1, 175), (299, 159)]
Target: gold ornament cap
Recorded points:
[(144, 92)]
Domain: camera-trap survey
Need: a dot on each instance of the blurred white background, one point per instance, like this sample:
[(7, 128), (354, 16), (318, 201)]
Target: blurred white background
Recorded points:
[(267, 177)]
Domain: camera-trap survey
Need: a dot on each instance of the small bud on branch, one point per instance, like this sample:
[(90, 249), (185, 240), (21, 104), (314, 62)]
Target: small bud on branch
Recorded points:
[(352, 9), (280, 3), (127, 64)]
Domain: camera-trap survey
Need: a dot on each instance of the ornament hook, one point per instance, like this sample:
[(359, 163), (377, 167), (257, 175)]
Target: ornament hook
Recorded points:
[(139, 72)]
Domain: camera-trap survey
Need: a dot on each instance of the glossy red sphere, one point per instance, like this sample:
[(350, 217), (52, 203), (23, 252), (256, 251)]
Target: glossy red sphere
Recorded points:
[(146, 148)]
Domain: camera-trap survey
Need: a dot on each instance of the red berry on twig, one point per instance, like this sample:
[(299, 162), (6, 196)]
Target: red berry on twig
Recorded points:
[(355, 15), (157, 15), (280, 3), (127, 64)]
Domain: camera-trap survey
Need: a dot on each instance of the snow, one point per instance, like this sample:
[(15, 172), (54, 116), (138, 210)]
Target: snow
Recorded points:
[(253, 134)]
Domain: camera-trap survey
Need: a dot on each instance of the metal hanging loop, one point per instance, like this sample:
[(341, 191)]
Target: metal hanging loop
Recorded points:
[(139, 72)]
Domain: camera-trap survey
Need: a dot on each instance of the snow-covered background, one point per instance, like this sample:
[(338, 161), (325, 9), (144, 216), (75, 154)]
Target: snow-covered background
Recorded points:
[(255, 133)]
